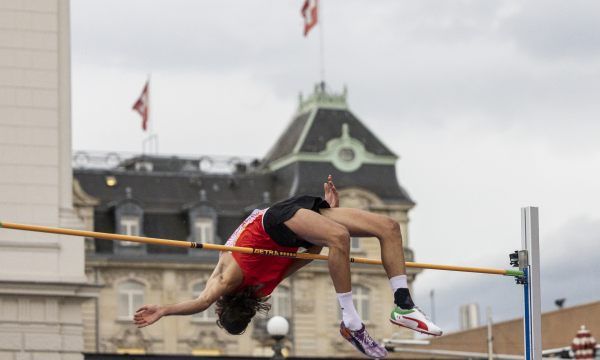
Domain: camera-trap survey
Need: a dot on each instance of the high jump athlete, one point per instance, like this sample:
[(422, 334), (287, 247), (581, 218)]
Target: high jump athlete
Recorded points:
[(241, 282)]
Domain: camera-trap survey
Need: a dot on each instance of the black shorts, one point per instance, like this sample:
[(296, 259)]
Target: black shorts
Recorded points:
[(276, 215)]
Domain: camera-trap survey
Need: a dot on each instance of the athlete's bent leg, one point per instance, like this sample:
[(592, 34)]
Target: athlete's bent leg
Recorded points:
[(363, 223), (322, 231), (316, 229)]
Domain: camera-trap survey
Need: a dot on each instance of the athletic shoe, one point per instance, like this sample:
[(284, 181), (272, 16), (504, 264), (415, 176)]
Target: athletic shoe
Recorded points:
[(414, 319), (363, 342)]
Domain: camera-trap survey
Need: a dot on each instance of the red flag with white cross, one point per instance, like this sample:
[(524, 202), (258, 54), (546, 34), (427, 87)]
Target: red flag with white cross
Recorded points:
[(310, 11), (142, 106)]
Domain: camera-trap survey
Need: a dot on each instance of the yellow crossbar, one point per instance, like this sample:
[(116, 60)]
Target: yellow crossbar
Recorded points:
[(246, 250)]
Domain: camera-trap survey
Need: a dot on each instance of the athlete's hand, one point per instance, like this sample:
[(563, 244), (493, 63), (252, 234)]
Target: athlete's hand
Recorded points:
[(331, 194), (147, 315)]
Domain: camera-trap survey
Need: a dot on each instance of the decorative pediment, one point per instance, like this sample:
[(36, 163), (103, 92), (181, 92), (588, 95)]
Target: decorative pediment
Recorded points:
[(206, 341), (129, 339)]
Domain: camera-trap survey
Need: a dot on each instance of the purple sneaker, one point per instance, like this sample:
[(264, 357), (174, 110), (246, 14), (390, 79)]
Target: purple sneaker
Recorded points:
[(363, 342)]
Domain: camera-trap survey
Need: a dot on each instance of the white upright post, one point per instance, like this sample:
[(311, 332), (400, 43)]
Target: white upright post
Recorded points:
[(490, 336), (530, 241)]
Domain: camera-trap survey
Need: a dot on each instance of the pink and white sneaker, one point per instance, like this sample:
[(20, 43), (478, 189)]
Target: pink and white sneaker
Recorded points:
[(414, 319)]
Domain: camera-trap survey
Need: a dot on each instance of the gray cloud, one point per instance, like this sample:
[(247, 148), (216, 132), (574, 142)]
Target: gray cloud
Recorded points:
[(430, 61), (557, 30)]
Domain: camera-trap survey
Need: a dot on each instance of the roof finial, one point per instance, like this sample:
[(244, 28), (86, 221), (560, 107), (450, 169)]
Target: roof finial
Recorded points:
[(322, 98), (345, 131)]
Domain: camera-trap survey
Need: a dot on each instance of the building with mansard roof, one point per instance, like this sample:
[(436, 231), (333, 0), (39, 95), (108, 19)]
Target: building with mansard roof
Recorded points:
[(204, 199)]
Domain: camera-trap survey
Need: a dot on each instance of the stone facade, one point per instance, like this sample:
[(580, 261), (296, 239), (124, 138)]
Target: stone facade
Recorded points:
[(42, 279)]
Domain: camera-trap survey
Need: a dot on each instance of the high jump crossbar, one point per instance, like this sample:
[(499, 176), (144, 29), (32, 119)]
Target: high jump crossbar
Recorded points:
[(245, 250)]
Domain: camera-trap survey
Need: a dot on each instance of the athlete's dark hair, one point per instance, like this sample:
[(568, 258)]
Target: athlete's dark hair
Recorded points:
[(236, 310)]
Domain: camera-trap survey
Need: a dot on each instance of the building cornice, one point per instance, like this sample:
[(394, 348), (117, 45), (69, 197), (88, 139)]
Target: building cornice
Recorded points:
[(39, 288)]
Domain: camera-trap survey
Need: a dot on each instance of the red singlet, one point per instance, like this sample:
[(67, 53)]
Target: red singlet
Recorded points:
[(264, 272)]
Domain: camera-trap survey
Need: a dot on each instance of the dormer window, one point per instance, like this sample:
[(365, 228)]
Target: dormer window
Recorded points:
[(129, 220), (129, 225), (203, 222), (204, 230)]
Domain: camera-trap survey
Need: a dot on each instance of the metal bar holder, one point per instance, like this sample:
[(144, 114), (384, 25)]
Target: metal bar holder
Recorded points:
[(528, 261)]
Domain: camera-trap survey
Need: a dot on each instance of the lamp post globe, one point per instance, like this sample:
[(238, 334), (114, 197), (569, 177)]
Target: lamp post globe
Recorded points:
[(278, 327)]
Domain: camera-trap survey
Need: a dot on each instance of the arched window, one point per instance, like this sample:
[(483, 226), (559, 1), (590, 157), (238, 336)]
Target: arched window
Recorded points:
[(281, 302), (208, 314), (130, 297)]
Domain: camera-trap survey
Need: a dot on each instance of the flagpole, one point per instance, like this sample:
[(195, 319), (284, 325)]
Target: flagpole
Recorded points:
[(321, 46), (153, 134), (151, 123)]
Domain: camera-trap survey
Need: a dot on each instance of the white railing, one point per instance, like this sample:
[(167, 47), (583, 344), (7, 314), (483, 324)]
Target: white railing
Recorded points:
[(215, 164)]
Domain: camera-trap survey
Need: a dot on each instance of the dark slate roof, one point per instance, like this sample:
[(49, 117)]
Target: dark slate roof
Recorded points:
[(170, 192), (328, 125), (165, 198), (288, 140), (308, 178)]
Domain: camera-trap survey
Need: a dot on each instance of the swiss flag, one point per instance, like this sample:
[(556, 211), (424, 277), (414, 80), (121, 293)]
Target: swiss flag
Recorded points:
[(142, 106), (310, 14)]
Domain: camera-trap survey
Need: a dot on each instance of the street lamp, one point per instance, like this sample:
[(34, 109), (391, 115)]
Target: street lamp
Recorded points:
[(277, 327)]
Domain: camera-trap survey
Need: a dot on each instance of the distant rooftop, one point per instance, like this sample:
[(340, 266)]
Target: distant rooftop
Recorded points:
[(124, 161)]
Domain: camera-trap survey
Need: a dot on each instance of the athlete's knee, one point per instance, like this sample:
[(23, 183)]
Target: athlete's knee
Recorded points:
[(339, 238), (390, 227)]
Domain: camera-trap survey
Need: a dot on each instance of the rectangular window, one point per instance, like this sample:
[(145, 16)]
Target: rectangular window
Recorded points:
[(355, 244), (281, 302), (204, 231), (208, 314), (130, 225)]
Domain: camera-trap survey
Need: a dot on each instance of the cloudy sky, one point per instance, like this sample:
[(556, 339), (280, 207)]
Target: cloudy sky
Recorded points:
[(491, 105)]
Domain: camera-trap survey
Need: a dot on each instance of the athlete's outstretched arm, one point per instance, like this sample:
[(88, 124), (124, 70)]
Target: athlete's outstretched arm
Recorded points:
[(221, 282)]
